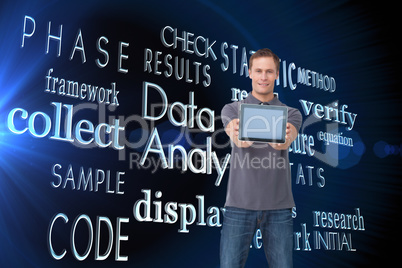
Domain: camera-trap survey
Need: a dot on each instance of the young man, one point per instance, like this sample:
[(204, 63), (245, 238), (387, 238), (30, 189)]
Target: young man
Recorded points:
[(259, 194)]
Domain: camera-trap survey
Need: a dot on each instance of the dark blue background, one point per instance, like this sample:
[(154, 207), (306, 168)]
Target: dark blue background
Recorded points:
[(354, 43)]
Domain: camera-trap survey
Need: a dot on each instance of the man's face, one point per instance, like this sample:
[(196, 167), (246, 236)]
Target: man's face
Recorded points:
[(263, 73)]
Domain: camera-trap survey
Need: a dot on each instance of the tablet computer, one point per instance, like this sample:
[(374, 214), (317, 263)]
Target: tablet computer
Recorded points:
[(263, 123)]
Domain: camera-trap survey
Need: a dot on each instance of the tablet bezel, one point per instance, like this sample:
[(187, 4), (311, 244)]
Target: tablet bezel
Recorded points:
[(244, 106)]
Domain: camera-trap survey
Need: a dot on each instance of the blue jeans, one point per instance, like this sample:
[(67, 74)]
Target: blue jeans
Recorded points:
[(239, 227)]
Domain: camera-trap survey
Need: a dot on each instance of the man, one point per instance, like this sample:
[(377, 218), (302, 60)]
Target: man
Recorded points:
[(259, 194)]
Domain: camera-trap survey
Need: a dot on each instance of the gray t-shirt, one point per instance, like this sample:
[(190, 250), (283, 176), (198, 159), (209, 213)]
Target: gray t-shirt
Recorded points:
[(259, 177)]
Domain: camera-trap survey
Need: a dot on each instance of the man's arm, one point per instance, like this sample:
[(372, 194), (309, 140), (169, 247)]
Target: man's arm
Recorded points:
[(232, 130), (291, 134)]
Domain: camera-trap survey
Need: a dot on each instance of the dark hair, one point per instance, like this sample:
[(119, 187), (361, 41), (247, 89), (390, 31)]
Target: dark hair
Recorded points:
[(264, 52)]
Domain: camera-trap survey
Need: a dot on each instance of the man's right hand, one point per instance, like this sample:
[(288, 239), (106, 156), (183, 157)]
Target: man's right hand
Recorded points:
[(232, 130)]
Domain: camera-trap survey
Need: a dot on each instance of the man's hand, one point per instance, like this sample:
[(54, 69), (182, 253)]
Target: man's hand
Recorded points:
[(291, 134), (232, 130)]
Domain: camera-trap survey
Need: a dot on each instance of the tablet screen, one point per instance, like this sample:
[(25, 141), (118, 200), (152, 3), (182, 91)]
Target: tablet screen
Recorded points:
[(263, 123)]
